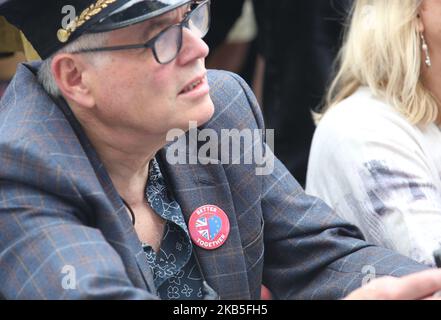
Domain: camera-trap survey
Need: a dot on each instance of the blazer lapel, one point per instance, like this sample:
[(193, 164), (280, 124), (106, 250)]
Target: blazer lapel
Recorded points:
[(195, 186), (118, 228), (129, 233)]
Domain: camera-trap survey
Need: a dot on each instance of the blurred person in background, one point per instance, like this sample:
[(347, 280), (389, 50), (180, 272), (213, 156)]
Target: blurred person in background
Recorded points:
[(298, 41), (289, 64), (10, 44), (233, 39), (376, 156), (14, 49)]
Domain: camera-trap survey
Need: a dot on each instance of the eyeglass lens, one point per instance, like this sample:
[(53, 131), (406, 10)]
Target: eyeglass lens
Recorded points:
[(167, 46)]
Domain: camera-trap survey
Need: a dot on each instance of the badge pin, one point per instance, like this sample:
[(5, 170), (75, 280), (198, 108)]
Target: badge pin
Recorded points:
[(209, 227)]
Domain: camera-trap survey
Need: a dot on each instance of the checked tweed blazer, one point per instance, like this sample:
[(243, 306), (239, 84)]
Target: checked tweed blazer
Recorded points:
[(59, 213)]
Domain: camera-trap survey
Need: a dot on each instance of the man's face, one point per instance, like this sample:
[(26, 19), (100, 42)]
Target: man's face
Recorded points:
[(133, 91)]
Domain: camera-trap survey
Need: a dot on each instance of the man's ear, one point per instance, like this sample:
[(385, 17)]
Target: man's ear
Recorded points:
[(69, 71)]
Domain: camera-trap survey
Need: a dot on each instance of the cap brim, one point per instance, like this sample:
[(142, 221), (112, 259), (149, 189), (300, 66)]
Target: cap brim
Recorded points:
[(135, 11)]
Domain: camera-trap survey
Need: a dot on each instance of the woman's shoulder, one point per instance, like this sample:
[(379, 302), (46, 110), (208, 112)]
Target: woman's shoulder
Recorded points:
[(363, 113), (361, 104)]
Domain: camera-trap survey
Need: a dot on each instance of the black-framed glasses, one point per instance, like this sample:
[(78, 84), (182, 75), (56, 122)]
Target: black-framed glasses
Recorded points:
[(168, 43)]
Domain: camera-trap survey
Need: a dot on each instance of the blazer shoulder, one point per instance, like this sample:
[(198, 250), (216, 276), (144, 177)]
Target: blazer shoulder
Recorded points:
[(38, 146), (235, 103)]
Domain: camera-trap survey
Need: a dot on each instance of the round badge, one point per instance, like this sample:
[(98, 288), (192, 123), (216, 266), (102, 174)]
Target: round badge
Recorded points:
[(209, 227)]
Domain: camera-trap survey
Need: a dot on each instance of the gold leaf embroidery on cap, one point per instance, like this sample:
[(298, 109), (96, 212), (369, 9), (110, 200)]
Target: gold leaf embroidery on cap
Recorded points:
[(64, 34)]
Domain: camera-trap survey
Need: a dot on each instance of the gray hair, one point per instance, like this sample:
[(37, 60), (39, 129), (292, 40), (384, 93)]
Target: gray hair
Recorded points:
[(86, 41)]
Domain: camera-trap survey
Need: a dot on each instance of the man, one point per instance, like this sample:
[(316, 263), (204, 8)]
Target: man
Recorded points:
[(92, 207)]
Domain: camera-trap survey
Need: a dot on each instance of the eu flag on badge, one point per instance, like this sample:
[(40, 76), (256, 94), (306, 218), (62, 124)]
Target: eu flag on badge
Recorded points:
[(209, 227)]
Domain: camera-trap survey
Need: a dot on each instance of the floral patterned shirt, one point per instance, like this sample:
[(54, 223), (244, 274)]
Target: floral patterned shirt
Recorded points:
[(174, 267)]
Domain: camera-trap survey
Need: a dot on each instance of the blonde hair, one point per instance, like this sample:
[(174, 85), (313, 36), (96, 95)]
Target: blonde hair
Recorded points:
[(382, 50)]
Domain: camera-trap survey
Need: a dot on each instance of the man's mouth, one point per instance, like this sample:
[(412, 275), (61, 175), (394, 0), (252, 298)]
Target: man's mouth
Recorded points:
[(193, 85)]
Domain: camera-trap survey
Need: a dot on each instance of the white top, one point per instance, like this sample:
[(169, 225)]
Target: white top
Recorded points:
[(381, 173)]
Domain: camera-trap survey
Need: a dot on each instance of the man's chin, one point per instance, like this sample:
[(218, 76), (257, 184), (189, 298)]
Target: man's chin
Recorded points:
[(203, 113), (208, 113)]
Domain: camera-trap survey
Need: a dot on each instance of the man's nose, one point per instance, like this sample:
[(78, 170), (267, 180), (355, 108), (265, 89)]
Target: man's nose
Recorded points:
[(193, 47)]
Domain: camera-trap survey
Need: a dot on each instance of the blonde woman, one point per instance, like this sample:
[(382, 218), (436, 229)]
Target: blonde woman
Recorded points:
[(376, 154)]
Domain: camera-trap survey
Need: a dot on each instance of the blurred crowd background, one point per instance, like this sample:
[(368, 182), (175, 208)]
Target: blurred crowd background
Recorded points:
[(284, 49)]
